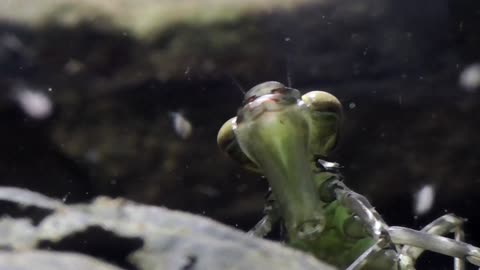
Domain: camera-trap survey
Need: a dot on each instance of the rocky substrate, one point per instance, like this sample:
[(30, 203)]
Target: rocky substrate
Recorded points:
[(113, 234)]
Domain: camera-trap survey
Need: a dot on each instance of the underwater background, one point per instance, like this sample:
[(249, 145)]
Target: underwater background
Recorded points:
[(125, 98)]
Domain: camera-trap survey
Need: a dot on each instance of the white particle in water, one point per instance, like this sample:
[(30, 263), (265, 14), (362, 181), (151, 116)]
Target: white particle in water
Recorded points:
[(352, 105), (470, 77), (365, 51), (423, 199), (64, 199), (34, 103), (181, 125)]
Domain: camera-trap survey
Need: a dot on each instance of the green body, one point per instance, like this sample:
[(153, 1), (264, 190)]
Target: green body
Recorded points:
[(280, 134)]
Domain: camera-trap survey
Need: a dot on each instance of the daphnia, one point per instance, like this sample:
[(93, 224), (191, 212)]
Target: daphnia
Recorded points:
[(287, 136)]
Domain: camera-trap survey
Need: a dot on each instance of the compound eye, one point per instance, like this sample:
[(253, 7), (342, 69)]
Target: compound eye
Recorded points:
[(227, 142), (325, 112), (320, 101)]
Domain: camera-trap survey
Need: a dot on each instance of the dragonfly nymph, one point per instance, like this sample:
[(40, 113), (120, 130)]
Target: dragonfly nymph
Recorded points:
[(287, 136)]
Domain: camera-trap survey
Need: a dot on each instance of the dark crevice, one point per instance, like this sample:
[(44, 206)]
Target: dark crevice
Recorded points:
[(99, 243), (16, 210)]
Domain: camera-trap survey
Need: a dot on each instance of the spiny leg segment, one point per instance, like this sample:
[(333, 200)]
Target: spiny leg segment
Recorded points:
[(443, 225), (407, 243), (414, 242)]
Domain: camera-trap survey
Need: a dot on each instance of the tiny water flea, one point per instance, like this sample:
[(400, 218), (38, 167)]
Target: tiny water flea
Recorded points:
[(287, 136)]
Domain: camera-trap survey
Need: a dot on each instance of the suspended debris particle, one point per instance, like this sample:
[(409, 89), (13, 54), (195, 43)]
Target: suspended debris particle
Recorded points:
[(65, 198), (208, 191), (423, 200), (11, 42), (352, 105), (365, 51), (92, 156), (181, 125), (73, 66), (470, 77), (242, 188), (34, 103)]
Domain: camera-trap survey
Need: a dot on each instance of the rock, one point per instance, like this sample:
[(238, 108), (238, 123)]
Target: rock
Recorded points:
[(49, 260), (131, 236)]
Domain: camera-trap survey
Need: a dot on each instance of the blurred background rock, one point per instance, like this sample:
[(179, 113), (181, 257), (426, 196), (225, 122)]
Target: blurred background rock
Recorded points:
[(91, 91)]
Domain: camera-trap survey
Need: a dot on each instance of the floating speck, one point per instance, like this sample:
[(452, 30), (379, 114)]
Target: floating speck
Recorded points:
[(208, 191), (470, 77), (73, 66), (423, 200), (92, 156), (34, 103), (365, 51), (181, 125), (287, 39), (242, 188), (64, 199), (352, 105)]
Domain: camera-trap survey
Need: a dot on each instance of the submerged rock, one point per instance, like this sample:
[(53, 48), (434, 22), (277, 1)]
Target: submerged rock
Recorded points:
[(128, 235)]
